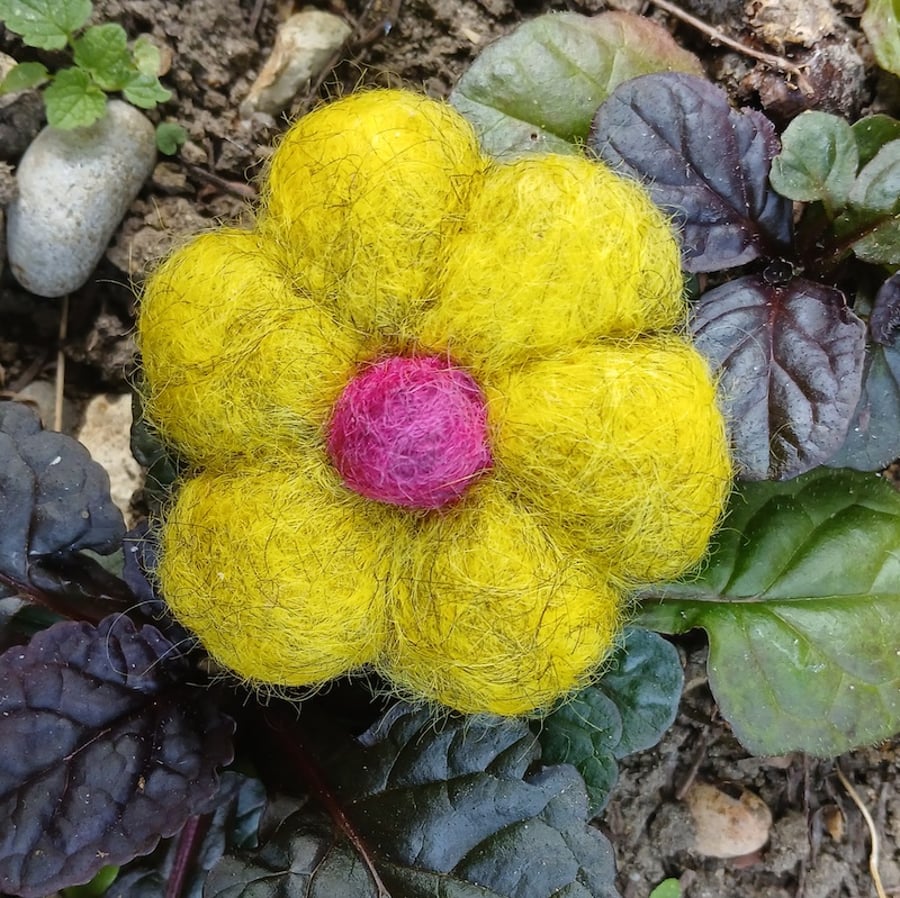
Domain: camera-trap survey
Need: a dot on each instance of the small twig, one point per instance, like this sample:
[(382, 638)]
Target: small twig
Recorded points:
[(61, 364), (28, 375), (236, 188), (256, 15), (699, 755), (770, 59), (873, 832), (360, 38)]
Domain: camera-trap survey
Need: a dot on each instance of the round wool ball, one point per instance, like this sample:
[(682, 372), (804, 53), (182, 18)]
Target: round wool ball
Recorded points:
[(622, 445), (281, 577), (553, 251), (362, 195), (488, 615), (411, 431), (236, 360)]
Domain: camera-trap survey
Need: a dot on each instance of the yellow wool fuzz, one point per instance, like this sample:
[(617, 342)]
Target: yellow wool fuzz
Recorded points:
[(281, 578), (554, 250), (490, 615), (235, 361), (361, 197), (622, 446), (383, 233)]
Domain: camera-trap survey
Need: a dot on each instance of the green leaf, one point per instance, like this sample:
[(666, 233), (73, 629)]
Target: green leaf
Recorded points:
[(169, 137), (628, 710), (456, 808), (96, 887), (668, 888), (103, 51), (874, 236), (800, 601), (871, 223), (24, 76), (872, 133), (73, 100), (45, 23), (585, 732), (146, 56), (645, 680), (881, 24), (145, 91), (818, 160), (878, 186), (538, 88)]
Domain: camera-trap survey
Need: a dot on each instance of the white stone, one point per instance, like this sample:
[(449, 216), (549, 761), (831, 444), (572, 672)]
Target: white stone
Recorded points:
[(74, 189), (106, 432), (304, 45)]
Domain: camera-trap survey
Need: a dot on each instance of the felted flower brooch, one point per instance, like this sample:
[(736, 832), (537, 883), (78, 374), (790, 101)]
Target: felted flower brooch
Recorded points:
[(438, 414)]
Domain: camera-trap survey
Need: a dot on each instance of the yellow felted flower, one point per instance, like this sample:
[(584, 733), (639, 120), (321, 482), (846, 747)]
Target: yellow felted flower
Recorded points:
[(438, 411)]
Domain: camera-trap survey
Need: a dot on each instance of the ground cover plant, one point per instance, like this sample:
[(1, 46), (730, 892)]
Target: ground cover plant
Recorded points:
[(102, 63), (122, 732)]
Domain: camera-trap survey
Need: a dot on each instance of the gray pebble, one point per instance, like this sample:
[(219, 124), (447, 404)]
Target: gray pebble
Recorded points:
[(74, 189)]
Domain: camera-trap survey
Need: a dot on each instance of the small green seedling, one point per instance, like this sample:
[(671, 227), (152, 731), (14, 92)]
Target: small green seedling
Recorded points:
[(668, 888), (103, 63)]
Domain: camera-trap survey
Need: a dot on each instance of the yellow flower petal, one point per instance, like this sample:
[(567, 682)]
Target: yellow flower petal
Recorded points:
[(555, 250), (281, 578), (490, 616), (361, 197), (235, 360), (623, 446)]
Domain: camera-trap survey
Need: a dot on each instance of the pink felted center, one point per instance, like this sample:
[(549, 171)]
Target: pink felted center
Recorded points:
[(410, 431)]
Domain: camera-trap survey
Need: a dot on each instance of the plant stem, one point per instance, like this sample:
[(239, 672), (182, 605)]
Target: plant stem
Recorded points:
[(291, 742), (189, 840), (770, 59)]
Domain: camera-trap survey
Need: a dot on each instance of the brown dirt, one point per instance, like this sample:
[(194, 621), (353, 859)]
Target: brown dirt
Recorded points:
[(819, 844)]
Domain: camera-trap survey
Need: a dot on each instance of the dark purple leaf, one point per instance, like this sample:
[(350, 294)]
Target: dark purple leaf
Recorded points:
[(53, 497), (140, 551), (231, 823), (885, 317), (702, 161), (790, 360), (105, 749), (140, 554)]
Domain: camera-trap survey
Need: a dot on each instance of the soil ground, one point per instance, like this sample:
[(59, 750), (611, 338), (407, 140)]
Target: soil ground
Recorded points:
[(819, 843)]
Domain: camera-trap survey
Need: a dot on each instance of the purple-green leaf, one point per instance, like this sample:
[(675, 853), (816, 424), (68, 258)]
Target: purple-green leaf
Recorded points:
[(800, 599), (457, 808), (885, 318), (105, 750), (537, 88), (790, 362), (702, 161), (873, 439)]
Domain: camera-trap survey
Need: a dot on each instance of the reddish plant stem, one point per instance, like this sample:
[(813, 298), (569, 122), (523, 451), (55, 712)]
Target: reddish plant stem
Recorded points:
[(188, 846), (294, 748)]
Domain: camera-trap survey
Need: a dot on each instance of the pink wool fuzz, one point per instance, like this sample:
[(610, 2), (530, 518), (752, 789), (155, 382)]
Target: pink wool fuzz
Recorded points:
[(410, 431)]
